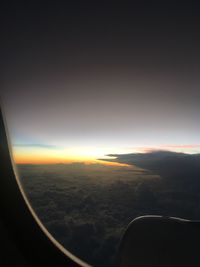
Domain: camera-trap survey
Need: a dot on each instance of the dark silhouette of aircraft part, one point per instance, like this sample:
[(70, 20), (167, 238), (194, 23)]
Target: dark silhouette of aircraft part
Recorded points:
[(156, 241)]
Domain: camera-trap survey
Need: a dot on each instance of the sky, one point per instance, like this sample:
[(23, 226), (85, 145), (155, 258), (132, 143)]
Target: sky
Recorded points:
[(82, 81)]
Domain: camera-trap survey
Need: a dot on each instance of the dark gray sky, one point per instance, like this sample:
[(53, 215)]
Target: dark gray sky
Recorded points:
[(106, 76)]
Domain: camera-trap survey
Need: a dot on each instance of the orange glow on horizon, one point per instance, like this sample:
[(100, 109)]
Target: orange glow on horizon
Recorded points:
[(54, 161), (20, 158), (41, 155)]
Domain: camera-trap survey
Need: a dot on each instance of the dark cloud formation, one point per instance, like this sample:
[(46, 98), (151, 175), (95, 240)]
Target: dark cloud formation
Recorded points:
[(170, 165), (88, 207)]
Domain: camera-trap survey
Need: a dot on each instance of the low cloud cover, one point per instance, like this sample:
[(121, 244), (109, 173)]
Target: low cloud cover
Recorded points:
[(88, 207)]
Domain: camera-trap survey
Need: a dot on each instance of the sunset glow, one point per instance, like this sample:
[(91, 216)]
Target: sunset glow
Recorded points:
[(88, 155), (36, 155)]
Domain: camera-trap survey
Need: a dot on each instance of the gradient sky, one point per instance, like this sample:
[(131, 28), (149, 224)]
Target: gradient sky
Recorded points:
[(84, 81)]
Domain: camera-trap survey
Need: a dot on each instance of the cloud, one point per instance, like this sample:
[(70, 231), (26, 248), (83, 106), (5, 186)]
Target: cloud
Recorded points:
[(187, 148), (168, 164), (92, 206), (35, 146)]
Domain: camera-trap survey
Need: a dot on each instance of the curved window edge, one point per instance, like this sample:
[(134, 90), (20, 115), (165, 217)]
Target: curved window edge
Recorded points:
[(25, 228)]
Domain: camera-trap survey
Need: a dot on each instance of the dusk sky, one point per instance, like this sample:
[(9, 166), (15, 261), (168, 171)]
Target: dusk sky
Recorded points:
[(84, 81)]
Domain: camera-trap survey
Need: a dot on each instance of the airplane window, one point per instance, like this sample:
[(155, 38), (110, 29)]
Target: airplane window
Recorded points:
[(103, 117), (88, 170)]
